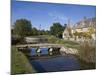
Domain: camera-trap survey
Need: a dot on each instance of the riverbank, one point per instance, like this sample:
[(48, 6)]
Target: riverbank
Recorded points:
[(85, 61), (71, 49), (84, 65), (19, 63)]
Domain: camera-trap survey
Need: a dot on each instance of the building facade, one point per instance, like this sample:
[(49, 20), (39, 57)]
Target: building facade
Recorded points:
[(86, 26)]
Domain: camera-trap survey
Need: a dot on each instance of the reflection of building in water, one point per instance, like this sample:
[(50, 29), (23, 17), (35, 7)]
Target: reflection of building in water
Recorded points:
[(84, 27)]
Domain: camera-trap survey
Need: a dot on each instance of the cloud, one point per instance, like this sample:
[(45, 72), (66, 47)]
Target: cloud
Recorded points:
[(57, 16)]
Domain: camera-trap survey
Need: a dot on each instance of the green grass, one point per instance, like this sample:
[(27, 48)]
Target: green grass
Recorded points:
[(69, 44), (20, 63), (65, 43)]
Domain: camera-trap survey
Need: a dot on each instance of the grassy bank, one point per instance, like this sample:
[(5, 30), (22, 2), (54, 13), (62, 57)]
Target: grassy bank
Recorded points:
[(19, 63), (87, 53), (66, 43)]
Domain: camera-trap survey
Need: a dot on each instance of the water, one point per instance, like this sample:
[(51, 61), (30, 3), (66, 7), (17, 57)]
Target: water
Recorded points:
[(59, 63), (44, 51), (33, 51)]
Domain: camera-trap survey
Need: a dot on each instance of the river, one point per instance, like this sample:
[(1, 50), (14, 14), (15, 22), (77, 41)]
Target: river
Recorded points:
[(54, 64)]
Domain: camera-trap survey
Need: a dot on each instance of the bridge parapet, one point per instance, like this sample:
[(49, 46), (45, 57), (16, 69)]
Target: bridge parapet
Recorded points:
[(39, 46)]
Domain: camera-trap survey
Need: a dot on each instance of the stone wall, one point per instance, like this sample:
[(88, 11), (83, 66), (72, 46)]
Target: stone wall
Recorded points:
[(65, 51)]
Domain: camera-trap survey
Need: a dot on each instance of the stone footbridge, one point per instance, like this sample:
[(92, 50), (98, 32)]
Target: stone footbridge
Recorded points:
[(61, 47), (40, 45)]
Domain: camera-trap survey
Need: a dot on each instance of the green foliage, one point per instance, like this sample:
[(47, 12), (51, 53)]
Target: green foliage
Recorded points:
[(76, 33), (42, 32), (91, 30), (35, 31), (57, 30), (52, 39), (47, 32), (20, 63), (17, 40), (66, 43), (86, 35), (22, 27)]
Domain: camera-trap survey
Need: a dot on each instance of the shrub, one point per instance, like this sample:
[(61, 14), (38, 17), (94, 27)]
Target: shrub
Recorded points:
[(87, 51)]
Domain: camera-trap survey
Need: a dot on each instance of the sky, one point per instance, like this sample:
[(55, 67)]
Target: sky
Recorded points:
[(45, 14)]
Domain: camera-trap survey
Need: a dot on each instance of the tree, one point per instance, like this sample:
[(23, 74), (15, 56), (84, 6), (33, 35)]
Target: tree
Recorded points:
[(35, 31), (42, 32), (75, 34), (22, 27), (47, 32), (57, 30), (87, 35), (91, 30)]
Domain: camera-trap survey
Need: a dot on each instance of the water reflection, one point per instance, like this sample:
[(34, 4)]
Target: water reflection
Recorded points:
[(37, 51), (58, 63), (33, 51), (62, 63), (44, 51)]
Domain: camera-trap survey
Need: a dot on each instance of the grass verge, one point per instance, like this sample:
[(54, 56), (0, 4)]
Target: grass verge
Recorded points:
[(20, 63)]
